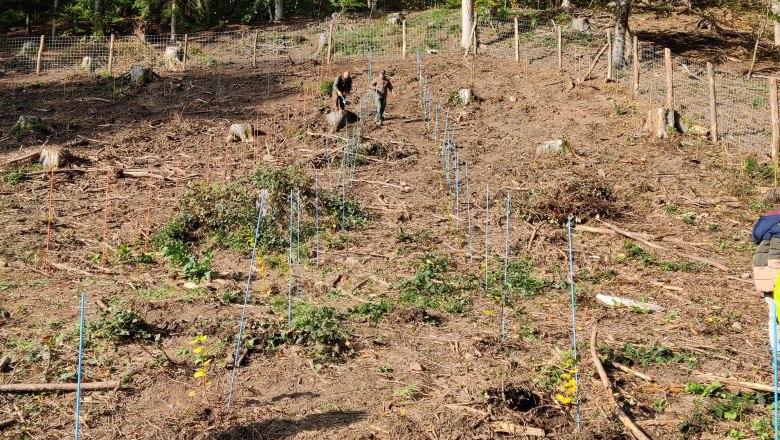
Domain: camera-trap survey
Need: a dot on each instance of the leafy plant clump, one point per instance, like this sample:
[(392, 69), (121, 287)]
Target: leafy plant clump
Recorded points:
[(632, 251), (521, 280), (631, 354), (435, 286), (124, 325), (728, 406), (346, 214), (372, 311), (320, 330)]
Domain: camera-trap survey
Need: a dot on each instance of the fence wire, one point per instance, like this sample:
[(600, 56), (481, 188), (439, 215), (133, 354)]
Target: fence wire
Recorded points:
[(742, 104)]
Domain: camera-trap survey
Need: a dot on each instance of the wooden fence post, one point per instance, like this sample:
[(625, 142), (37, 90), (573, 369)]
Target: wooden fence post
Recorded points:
[(713, 107), (403, 39), (560, 47), (254, 48), (517, 41), (330, 43), (111, 55), (609, 54), (669, 79), (775, 123), (40, 55), (636, 65), (184, 57)]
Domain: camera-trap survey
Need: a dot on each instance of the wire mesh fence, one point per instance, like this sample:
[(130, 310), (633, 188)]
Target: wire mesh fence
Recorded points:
[(742, 104)]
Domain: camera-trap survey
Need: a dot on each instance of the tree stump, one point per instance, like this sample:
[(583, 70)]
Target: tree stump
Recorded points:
[(241, 132), (174, 56), (141, 75), (340, 118), (465, 96), (53, 157), (661, 122), (580, 24)]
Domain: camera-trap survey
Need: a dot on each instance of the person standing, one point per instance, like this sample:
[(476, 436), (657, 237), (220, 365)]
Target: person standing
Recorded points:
[(342, 86), (766, 266), (381, 85)]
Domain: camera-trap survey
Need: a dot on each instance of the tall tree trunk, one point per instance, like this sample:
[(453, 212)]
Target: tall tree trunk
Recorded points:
[(278, 10), (619, 41), (54, 19), (776, 12), (174, 12), (467, 20), (27, 23), (98, 18)]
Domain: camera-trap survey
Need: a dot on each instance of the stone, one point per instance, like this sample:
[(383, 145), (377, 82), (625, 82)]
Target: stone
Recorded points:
[(429, 51), (415, 366), (86, 62), (554, 146)]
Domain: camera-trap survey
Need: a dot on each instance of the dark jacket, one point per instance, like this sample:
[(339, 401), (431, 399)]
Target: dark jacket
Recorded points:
[(766, 259), (342, 85)]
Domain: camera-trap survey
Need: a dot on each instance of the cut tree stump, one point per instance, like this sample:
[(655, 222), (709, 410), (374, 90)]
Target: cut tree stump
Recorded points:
[(340, 118), (660, 122), (53, 157), (241, 132)]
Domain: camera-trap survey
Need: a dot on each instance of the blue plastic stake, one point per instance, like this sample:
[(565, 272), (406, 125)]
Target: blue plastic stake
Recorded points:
[(290, 264), (298, 245), (468, 211), (574, 326), (506, 265), (457, 190), (81, 363), (487, 216), (246, 299)]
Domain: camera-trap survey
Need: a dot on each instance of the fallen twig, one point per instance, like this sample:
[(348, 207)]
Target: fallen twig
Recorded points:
[(29, 156), (627, 422), (738, 383), (7, 423), (636, 237), (51, 387), (595, 60), (628, 370)]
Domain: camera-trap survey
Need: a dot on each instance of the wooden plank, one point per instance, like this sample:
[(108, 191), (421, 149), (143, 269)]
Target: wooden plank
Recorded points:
[(517, 41), (636, 65), (184, 57), (330, 43), (403, 39), (560, 47), (111, 55), (669, 79), (254, 48), (713, 104), (609, 55), (775, 113), (40, 55)]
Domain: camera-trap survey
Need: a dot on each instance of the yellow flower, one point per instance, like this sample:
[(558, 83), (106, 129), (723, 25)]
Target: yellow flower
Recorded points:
[(488, 312), (192, 393), (566, 376), (200, 373), (198, 350), (563, 399)]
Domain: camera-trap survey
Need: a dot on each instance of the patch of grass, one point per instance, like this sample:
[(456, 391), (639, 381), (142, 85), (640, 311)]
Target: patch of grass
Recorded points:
[(17, 176), (372, 311), (159, 294), (635, 252), (435, 286), (680, 267), (521, 280), (126, 255), (422, 237), (408, 393), (758, 205), (325, 88), (631, 354), (760, 171)]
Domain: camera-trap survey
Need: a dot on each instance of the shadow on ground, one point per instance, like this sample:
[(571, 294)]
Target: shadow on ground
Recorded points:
[(282, 428)]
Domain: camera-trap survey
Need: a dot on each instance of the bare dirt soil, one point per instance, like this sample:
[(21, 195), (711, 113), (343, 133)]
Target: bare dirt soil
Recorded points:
[(414, 374)]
